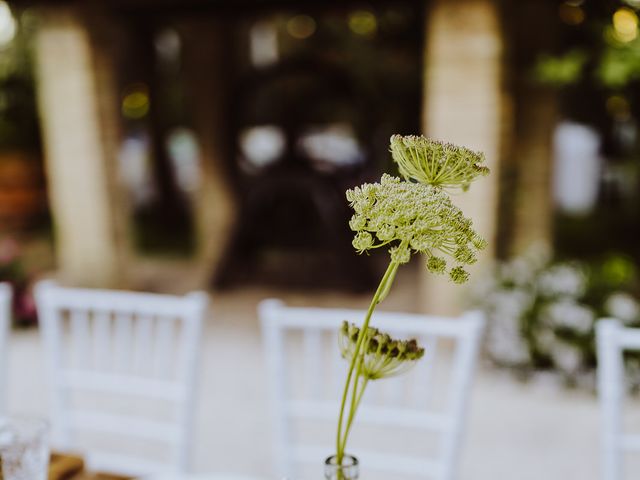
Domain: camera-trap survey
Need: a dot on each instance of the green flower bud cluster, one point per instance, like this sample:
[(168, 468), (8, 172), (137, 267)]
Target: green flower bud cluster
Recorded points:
[(436, 163), (383, 356), (413, 218)]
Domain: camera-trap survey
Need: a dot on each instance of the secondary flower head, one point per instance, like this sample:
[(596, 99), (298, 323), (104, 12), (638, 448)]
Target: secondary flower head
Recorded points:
[(413, 218), (383, 356), (436, 163)]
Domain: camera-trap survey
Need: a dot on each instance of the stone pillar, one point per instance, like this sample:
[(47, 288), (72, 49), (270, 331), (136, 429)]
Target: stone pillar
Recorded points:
[(78, 104), (464, 104), (207, 59)]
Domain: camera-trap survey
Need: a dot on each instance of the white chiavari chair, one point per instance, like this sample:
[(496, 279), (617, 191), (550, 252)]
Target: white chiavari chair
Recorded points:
[(5, 324), (613, 339), (429, 399), (122, 368)]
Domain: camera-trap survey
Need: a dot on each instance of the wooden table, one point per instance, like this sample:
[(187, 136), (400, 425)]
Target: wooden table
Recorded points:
[(71, 467), (96, 476)]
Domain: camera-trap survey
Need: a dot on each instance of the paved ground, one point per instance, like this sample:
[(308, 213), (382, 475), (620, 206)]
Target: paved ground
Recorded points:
[(516, 431)]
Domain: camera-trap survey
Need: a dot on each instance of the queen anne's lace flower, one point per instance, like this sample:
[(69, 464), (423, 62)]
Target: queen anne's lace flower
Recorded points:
[(413, 218), (436, 163), (383, 356)]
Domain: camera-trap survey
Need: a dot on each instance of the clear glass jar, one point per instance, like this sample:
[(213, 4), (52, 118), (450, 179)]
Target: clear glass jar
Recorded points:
[(348, 470)]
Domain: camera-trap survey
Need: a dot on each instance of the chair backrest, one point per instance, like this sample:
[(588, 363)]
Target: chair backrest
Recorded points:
[(117, 361), (306, 338), (5, 323), (612, 341)]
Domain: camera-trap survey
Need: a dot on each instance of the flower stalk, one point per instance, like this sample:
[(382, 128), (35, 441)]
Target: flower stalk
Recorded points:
[(382, 287)]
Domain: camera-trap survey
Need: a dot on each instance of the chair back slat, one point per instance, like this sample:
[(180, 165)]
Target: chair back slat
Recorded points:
[(116, 358), (163, 347), (80, 333), (462, 368), (142, 343), (421, 390), (337, 364), (101, 335), (312, 346), (295, 338), (5, 324), (122, 342)]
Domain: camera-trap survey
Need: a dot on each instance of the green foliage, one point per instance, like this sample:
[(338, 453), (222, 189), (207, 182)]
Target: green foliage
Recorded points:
[(619, 64), (19, 128), (561, 70)]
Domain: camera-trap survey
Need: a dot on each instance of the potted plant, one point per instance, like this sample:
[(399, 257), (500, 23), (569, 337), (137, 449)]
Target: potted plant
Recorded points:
[(543, 313), (13, 272)]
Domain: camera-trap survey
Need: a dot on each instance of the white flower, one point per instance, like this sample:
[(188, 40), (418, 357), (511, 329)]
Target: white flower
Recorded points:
[(506, 345), (518, 271), (566, 357), (562, 280), (483, 288), (568, 314), (509, 304), (538, 255), (622, 306), (504, 339), (413, 218)]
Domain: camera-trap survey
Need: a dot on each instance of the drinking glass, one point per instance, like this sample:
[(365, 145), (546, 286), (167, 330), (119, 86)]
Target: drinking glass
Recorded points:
[(24, 449)]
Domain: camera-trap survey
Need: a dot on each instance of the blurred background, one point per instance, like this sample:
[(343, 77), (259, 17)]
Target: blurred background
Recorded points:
[(169, 145)]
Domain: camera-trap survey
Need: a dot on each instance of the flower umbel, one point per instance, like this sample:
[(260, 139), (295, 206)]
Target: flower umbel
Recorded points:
[(413, 218), (436, 163), (383, 356)]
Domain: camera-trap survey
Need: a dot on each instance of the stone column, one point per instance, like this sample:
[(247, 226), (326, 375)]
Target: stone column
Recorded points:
[(207, 57), (464, 104), (78, 104)]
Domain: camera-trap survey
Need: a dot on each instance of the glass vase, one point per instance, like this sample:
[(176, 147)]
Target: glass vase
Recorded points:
[(348, 470)]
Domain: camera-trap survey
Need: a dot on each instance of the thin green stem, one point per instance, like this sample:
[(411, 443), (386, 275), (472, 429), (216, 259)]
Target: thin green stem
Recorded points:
[(354, 397), (389, 282), (352, 413), (389, 273)]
